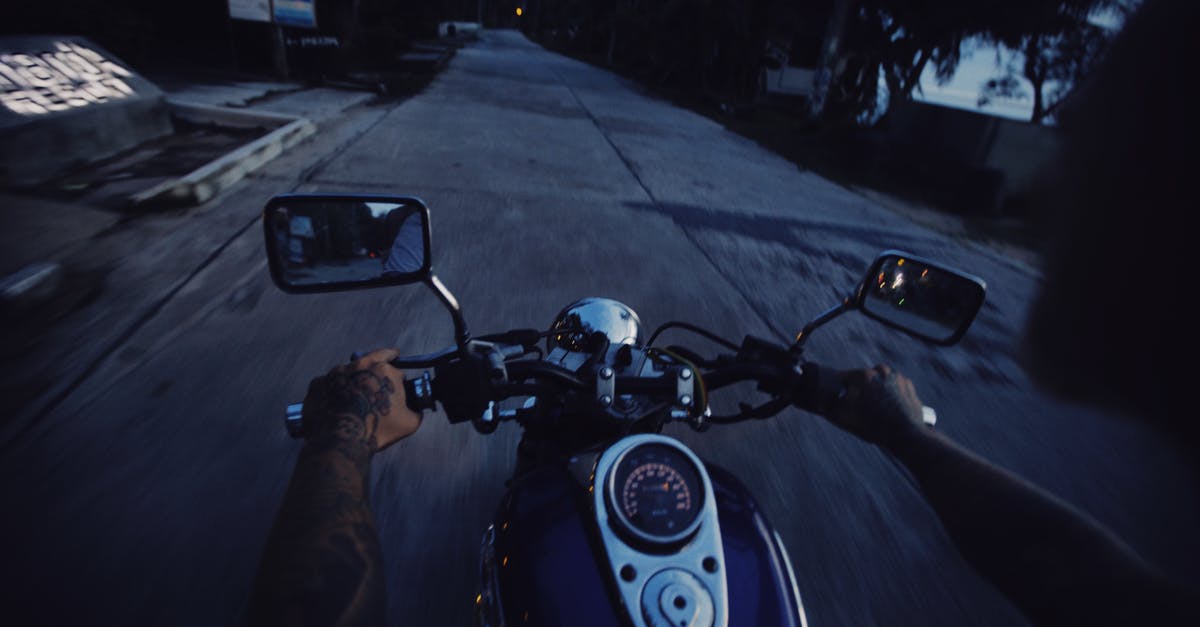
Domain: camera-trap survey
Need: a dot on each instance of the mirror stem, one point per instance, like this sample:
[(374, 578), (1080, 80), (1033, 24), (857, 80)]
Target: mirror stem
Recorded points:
[(846, 305), (461, 335)]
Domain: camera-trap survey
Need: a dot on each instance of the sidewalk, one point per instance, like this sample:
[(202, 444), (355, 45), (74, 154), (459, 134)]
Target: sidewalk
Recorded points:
[(74, 273), (315, 103)]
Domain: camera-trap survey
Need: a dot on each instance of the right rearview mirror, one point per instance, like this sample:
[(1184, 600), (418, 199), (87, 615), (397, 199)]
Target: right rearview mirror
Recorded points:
[(920, 297)]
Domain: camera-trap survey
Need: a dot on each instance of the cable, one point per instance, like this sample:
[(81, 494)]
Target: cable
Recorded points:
[(687, 353), (694, 329)]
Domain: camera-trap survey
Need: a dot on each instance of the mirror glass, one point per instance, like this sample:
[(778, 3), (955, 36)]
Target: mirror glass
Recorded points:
[(321, 243), (930, 301)]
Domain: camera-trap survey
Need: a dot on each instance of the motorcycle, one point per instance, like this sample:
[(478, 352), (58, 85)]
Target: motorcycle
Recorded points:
[(644, 531)]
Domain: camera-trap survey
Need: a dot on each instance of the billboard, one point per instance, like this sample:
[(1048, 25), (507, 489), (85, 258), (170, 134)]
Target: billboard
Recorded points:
[(296, 13), (250, 10)]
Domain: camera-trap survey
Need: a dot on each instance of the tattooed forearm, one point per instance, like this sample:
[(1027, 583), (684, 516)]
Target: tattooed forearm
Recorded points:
[(322, 564)]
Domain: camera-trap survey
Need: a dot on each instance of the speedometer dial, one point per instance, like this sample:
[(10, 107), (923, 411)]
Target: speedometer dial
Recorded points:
[(656, 492)]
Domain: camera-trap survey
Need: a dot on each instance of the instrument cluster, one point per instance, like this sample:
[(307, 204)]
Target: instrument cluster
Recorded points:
[(658, 521), (656, 494)]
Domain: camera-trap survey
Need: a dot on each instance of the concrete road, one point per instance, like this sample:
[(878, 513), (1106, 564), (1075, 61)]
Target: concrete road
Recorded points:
[(144, 494)]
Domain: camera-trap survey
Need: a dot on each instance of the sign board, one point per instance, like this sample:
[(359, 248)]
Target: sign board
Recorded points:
[(250, 10), (296, 13), (59, 76)]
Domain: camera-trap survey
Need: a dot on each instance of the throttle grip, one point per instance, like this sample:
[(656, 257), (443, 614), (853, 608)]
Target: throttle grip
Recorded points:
[(821, 388), (418, 396)]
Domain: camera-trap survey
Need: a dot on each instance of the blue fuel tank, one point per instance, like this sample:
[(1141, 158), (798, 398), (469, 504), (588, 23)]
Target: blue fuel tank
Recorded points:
[(543, 562)]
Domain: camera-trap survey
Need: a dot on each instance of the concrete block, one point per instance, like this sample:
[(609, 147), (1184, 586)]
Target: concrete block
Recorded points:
[(66, 102)]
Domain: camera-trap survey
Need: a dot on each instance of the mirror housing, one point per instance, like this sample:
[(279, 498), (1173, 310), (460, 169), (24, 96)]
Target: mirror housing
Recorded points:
[(920, 297), (336, 242)]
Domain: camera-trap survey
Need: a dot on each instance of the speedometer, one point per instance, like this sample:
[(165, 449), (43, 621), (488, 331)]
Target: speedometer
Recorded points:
[(656, 493)]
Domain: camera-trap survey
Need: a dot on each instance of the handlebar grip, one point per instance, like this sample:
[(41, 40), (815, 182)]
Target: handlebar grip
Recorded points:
[(418, 396), (820, 388)]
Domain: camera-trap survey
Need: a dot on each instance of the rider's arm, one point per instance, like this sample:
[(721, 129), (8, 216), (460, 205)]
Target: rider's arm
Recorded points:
[(322, 564), (1051, 560)]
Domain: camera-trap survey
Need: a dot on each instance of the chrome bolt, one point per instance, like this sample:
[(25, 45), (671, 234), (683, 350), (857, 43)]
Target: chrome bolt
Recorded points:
[(685, 400), (605, 400), (685, 374), (606, 373)]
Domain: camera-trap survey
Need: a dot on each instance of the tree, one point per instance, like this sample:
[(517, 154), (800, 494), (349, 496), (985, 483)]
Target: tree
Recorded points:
[(1057, 56), (895, 40), (713, 47)]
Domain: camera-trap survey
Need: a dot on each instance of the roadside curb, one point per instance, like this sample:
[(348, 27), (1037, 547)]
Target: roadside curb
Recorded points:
[(201, 184)]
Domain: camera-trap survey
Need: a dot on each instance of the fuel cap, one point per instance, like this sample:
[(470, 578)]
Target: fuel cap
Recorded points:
[(676, 598)]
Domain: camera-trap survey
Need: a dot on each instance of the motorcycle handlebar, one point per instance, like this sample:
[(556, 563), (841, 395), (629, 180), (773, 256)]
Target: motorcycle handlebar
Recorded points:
[(816, 389)]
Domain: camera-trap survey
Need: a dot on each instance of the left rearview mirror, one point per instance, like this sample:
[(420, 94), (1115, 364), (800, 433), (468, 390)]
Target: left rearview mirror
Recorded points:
[(330, 242), (920, 297)]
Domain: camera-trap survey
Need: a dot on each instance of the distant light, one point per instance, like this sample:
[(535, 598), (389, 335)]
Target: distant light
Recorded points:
[(897, 281), (900, 262), (901, 302), (520, 11)]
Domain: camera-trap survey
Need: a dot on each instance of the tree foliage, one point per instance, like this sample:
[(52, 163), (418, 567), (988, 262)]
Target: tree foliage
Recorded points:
[(713, 46), (1057, 57), (893, 41), (717, 46)]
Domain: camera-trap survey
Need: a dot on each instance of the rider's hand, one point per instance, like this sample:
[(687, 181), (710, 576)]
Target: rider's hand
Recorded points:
[(878, 405), (361, 401)]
